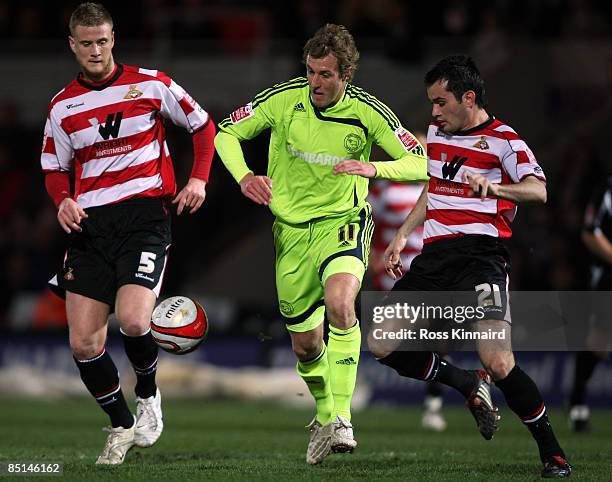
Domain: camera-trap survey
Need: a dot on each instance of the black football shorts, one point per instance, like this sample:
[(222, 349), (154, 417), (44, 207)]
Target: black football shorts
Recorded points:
[(122, 243), (475, 267)]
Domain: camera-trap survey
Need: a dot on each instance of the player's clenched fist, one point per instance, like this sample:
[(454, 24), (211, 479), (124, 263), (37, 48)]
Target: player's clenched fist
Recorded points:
[(257, 188), (70, 215)]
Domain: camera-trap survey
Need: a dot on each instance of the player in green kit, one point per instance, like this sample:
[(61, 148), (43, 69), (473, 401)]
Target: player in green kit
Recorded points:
[(322, 128)]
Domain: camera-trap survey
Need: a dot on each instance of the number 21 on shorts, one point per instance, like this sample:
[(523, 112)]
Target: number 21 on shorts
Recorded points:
[(484, 294)]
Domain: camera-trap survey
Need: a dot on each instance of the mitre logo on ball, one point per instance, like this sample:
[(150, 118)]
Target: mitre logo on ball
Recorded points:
[(179, 325)]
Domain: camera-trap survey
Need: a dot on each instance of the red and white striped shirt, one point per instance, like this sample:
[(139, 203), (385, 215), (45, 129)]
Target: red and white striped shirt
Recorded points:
[(113, 135), (493, 150), (391, 203)]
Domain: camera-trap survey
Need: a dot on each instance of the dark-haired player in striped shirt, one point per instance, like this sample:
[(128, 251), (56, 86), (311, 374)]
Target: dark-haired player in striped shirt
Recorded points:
[(479, 170)]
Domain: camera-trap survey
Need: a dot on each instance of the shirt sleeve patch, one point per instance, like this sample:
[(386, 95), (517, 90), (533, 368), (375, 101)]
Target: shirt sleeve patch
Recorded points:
[(242, 113), (407, 140)]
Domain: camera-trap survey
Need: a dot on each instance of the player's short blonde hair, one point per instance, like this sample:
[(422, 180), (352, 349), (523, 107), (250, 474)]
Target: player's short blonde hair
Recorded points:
[(337, 40), (89, 14)]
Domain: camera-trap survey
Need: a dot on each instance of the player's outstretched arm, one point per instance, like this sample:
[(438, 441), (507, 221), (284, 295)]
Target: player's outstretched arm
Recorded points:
[(409, 168), (409, 163), (530, 189), (391, 257)]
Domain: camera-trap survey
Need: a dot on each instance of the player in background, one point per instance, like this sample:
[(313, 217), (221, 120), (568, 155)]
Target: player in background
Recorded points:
[(479, 170), (322, 127), (106, 128), (597, 236), (391, 204)]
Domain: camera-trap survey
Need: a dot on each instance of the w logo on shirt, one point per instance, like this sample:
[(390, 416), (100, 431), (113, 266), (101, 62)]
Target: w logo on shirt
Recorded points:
[(450, 169), (111, 127)]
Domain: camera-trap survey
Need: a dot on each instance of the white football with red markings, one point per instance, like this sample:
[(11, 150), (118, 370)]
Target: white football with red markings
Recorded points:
[(179, 325)]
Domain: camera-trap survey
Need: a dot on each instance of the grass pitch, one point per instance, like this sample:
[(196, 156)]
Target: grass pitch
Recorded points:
[(225, 440)]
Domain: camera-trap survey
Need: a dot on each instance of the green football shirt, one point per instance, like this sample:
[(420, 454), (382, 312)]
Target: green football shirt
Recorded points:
[(307, 142)]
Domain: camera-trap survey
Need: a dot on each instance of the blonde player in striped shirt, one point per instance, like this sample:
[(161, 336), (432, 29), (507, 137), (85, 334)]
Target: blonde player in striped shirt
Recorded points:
[(106, 129)]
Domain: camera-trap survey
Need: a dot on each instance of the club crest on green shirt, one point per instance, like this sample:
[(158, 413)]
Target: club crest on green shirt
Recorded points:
[(286, 308), (353, 143)]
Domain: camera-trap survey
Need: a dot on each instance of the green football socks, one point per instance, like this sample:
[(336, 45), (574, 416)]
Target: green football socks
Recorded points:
[(316, 374), (343, 358)]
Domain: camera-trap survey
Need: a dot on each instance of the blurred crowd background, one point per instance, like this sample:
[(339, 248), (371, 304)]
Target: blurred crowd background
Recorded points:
[(547, 63)]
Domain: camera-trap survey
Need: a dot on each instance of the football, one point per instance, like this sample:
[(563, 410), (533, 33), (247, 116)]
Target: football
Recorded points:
[(179, 325)]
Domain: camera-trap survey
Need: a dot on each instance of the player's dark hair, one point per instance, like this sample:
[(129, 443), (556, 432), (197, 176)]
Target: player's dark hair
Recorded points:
[(337, 40), (462, 75), (89, 14)]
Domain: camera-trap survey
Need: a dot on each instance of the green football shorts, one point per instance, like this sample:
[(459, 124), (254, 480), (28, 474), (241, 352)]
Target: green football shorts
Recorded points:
[(309, 253)]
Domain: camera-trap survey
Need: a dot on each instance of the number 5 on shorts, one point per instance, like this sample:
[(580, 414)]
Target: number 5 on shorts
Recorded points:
[(147, 262)]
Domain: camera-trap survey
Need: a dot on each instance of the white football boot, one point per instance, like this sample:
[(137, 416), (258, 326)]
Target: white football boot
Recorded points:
[(342, 436), (149, 422), (119, 441), (319, 445)]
